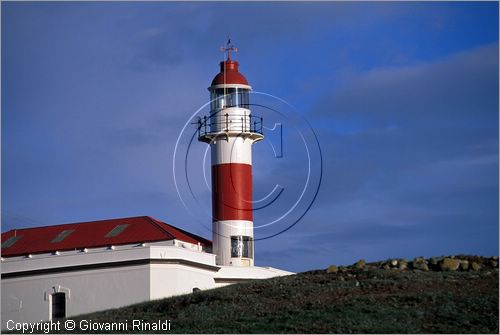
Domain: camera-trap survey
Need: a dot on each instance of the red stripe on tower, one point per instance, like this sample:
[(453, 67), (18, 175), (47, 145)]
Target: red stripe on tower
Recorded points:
[(232, 192)]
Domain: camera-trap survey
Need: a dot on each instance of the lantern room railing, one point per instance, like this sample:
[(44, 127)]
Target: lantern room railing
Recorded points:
[(229, 123)]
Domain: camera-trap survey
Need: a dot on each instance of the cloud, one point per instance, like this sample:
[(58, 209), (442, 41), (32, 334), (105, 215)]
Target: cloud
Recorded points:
[(411, 154), (460, 88)]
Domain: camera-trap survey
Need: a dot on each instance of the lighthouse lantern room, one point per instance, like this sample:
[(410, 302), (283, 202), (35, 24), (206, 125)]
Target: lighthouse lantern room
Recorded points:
[(231, 130)]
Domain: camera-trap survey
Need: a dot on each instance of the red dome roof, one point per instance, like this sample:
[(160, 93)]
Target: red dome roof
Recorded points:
[(229, 74)]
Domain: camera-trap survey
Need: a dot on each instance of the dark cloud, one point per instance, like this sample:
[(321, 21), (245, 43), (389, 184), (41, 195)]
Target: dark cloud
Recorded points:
[(456, 91), (410, 155)]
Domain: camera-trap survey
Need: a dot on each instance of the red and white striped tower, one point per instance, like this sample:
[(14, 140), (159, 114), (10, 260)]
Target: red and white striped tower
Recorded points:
[(230, 129)]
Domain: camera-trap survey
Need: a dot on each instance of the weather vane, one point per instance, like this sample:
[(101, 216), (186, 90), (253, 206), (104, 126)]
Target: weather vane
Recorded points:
[(229, 47)]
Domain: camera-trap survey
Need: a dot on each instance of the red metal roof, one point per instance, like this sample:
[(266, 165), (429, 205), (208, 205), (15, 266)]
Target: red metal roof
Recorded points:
[(93, 234), (229, 74)]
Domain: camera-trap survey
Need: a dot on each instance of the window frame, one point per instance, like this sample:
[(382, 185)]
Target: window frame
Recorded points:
[(242, 246)]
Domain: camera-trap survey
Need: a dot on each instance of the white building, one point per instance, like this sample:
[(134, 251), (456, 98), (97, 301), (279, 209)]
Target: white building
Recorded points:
[(65, 270), (60, 271)]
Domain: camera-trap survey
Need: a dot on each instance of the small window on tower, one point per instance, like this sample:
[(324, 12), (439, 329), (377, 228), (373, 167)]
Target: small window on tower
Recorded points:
[(242, 246)]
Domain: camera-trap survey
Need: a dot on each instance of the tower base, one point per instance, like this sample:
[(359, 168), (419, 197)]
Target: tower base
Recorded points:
[(228, 275)]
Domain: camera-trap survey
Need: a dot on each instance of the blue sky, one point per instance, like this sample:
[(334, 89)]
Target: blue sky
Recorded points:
[(402, 96)]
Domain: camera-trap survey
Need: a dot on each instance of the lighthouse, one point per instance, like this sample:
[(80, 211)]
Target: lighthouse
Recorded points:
[(48, 271), (230, 129)]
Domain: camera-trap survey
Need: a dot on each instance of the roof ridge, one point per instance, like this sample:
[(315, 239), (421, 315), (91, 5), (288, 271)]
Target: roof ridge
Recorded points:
[(156, 224), (75, 223), (180, 230)]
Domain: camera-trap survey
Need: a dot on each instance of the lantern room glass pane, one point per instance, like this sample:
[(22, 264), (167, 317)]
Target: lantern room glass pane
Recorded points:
[(229, 97)]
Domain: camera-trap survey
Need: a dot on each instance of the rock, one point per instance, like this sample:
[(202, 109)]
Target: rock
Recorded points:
[(386, 266), (495, 258), (418, 260), (394, 262), (449, 264), (332, 269), (360, 264), (475, 266), (403, 265), (421, 265), (493, 263), (464, 264), (433, 264)]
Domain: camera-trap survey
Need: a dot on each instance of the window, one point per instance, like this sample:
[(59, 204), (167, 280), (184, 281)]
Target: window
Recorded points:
[(62, 235), (59, 305), (117, 230), (10, 241), (229, 97), (241, 246), (244, 100)]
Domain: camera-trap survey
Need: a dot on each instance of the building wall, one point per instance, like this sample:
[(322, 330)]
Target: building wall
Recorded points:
[(27, 299), (101, 278), (172, 279), (167, 280)]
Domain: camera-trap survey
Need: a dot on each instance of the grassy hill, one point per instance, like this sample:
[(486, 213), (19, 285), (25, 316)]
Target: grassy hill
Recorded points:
[(383, 297)]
